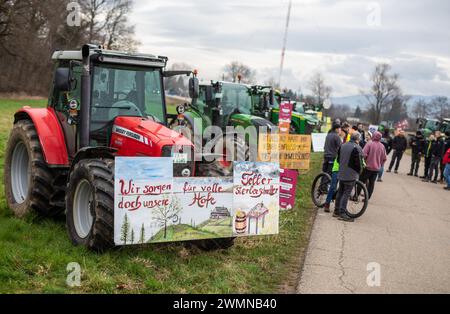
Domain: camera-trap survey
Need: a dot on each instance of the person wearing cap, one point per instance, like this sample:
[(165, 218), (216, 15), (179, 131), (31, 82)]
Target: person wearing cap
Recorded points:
[(399, 145), (417, 144), (350, 166), (332, 144), (435, 151)]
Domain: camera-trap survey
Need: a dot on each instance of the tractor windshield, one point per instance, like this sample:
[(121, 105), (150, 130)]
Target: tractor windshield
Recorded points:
[(431, 125), (125, 91), (236, 98)]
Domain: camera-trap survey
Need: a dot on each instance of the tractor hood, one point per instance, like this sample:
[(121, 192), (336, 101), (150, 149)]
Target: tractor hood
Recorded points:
[(145, 130), (246, 120)]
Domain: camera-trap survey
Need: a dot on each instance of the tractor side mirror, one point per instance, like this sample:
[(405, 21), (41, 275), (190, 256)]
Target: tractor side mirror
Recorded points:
[(63, 79), (193, 87)]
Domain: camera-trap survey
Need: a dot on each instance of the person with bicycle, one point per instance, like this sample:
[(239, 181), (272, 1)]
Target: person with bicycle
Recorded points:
[(332, 144), (350, 158)]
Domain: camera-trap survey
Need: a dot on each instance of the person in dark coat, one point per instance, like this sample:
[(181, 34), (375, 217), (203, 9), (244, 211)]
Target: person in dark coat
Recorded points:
[(427, 156), (360, 129), (332, 144), (436, 147), (386, 140), (417, 144), (399, 145)]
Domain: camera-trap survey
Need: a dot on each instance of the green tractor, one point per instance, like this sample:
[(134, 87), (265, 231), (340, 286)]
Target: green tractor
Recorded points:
[(427, 126), (445, 126), (268, 102), (221, 104)]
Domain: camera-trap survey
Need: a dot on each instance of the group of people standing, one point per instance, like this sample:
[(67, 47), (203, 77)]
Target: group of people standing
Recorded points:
[(436, 153), (349, 156)]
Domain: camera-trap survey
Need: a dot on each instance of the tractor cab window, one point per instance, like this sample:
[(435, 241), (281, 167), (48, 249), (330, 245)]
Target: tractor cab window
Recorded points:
[(236, 98), (124, 91)]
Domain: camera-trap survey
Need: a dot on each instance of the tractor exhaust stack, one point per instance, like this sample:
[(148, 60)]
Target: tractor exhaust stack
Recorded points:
[(85, 111)]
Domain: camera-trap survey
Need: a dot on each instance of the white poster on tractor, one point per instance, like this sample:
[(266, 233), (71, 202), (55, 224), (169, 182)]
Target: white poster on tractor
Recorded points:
[(143, 201), (256, 198), (204, 211)]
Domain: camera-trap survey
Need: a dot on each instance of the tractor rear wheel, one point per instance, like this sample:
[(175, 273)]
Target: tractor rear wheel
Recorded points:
[(222, 167), (28, 179), (90, 204)]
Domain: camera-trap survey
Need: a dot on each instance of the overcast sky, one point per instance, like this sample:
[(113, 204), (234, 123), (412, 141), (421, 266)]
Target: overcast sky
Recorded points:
[(342, 39)]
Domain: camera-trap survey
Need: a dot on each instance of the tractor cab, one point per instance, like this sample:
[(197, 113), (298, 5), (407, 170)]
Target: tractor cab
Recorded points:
[(427, 126), (118, 102), (301, 121), (445, 126)]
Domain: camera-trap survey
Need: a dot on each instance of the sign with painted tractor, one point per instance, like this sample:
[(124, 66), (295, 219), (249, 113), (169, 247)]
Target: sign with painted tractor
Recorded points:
[(150, 205)]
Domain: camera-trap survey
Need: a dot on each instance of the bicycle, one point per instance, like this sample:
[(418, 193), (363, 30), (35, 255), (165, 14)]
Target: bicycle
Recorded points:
[(357, 203)]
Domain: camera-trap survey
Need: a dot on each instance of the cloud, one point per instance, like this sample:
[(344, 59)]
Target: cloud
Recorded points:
[(327, 35)]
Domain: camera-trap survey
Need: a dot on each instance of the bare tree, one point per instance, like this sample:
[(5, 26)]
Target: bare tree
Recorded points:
[(236, 69), (318, 87), (421, 109), (440, 107), (384, 88), (107, 23), (31, 30)]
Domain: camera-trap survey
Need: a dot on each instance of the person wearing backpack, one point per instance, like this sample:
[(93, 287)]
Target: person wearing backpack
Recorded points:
[(350, 166)]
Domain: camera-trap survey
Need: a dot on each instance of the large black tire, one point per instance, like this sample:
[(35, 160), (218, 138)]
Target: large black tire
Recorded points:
[(359, 200), (98, 176), (319, 189), (33, 190)]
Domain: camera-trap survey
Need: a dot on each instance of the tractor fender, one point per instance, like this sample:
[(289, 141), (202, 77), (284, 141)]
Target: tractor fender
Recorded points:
[(93, 152), (49, 132)]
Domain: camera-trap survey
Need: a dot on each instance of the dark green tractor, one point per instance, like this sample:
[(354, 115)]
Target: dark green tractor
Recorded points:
[(427, 126), (268, 100), (222, 104)]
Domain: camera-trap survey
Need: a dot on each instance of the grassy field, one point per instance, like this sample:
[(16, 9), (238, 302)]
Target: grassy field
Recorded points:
[(34, 252)]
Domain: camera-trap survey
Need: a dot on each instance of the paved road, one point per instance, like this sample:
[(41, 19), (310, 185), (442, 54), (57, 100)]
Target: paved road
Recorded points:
[(406, 230)]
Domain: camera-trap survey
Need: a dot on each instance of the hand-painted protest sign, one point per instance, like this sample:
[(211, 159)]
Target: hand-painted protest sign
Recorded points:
[(284, 117), (256, 198), (288, 186), (295, 151), (150, 205), (318, 141), (292, 151), (142, 186)]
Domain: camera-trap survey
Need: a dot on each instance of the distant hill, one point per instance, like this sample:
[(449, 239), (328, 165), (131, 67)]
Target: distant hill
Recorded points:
[(361, 100)]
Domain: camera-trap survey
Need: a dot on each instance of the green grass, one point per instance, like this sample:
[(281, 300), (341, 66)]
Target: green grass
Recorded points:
[(34, 252)]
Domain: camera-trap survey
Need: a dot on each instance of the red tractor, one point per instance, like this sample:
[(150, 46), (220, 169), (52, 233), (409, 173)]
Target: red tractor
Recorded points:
[(103, 104)]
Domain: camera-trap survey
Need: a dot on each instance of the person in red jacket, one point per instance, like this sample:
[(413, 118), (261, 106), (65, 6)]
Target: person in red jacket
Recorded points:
[(446, 162)]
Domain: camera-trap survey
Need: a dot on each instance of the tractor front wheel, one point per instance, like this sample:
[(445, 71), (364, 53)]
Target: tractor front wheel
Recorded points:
[(90, 204), (27, 178)]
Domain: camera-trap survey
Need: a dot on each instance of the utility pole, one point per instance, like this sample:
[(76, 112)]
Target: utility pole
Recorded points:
[(283, 51)]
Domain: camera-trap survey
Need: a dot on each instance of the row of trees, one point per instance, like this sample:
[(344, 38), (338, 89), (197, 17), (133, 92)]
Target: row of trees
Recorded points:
[(30, 30)]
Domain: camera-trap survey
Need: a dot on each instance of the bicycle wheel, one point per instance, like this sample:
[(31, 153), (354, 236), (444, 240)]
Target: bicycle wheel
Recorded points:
[(359, 199), (319, 189)]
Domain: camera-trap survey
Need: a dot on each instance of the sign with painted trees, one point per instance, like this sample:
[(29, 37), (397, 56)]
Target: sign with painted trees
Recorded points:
[(151, 206)]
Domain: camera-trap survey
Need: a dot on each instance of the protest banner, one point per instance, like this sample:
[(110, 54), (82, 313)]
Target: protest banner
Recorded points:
[(288, 187), (256, 193), (150, 205), (318, 141)]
